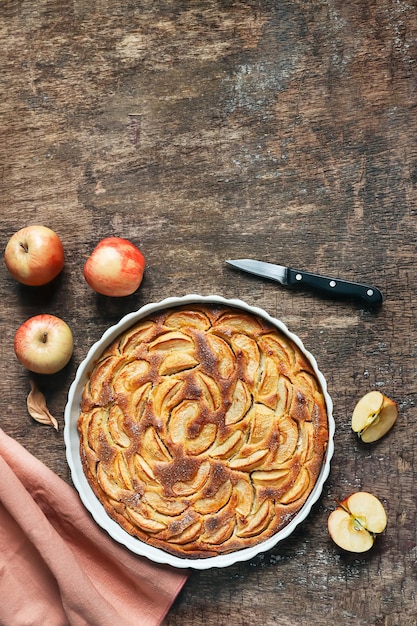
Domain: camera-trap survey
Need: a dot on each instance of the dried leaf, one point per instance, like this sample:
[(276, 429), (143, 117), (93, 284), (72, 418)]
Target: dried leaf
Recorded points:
[(37, 408)]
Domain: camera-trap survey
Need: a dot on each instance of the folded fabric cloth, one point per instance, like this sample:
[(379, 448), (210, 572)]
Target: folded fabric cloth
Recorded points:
[(57, 567)]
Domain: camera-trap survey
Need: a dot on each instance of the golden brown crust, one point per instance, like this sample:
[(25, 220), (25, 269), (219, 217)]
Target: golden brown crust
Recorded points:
[(202, 430)]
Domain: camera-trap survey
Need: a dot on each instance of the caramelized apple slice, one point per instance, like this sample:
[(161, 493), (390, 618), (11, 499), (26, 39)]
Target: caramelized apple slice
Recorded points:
[(187, 488), (299, 487), (108, 484), (188, 534), (225, 358), (267, 391), (131, 376), (210, 391), (153, 448), (245, 497), (165, 506), (145, 523), (190, 319), (205, 506), (224, 531), (248, 352), (257, 522), (240, 405), (245, 463), (288, 438), (227, 447)]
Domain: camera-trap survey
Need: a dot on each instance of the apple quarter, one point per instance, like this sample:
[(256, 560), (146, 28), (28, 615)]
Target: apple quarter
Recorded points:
[(199, 431)]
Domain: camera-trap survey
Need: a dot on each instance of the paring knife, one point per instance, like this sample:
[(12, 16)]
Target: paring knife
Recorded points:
[(300, 279)]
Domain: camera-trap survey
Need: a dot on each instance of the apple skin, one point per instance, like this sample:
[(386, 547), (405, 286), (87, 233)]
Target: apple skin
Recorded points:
[(34, 255), (44, 344), (115, 267)]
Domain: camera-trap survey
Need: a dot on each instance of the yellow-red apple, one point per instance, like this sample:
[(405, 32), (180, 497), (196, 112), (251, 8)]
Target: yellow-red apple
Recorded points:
[(115, 267), (44, 344), (373, 416), (34, 255), (356, 521)]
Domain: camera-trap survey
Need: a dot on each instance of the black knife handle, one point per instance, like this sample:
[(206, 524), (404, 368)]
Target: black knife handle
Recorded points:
[(334, 286)]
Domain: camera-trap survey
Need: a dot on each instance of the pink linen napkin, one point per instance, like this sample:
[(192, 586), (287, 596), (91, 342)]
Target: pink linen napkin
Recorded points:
[(57, 567)]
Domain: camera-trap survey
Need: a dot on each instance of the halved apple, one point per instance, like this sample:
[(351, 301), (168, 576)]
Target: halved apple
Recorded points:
[(373, 416), (357, 520)]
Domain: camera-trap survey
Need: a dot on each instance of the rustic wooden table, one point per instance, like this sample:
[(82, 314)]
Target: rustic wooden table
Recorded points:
[(278, 130)]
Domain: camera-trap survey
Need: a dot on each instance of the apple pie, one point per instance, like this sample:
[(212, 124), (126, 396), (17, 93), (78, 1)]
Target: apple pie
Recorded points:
[(202, 430)]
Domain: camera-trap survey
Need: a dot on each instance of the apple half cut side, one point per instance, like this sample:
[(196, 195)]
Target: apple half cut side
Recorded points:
[(354, 524), (373, 416)]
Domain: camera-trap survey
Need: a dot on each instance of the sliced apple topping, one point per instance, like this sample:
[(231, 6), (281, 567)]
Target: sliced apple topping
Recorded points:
[(240, 405), (143, 470), (187, 535), (187, 488), (122, 470), (99, 390), (154, 448), (223, 530), (165, 396), (108, 483), (128, 377), (186, 430), (373, 416), (239, 322), (299, 487), (165, 506), (137, 401), (171, 341), (257, 522), (228, 446), (272, 479), (288, 438), (115, 424), (209, 390), (245, 496), (267, 391), (190, 319), (145, 523), (174, 363), (248, 462), (249, 358), (143, 332), (263, 424), (214, 503), (356, 521), (271, 344), (225, 358)]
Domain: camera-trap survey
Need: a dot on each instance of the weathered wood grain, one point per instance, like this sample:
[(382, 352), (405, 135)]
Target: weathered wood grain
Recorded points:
[(283, 131)]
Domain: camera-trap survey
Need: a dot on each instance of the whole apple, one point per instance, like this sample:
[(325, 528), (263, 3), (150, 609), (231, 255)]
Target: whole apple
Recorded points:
[(44, 344), (34, 255), (115, 267)]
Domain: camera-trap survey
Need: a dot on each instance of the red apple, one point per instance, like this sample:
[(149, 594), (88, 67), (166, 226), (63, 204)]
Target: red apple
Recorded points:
[(44, 344), (34, 255), (115, 267)]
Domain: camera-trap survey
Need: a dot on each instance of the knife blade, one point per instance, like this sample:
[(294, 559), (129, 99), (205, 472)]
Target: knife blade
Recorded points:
[(300, 279)]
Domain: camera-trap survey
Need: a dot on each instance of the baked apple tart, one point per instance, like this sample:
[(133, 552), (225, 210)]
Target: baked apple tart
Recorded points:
[(202, 430)]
